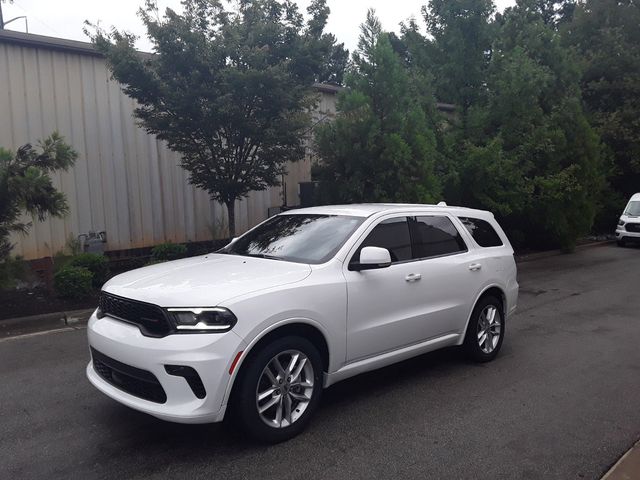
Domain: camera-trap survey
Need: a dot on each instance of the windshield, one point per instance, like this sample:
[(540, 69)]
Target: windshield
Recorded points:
[(296, 238), (633, 209)]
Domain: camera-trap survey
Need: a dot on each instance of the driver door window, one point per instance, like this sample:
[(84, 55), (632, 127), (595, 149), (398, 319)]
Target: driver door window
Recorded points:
[(392, 234)]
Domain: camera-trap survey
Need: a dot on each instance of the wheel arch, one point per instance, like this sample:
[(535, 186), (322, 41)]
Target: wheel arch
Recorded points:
[(301, 327), (490, 290)]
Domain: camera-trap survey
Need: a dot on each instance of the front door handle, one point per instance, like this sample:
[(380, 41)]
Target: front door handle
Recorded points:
[(413, 277), (474, 267)]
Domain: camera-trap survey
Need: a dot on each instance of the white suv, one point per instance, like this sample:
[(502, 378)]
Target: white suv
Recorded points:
[(302, 301), (628, 229)]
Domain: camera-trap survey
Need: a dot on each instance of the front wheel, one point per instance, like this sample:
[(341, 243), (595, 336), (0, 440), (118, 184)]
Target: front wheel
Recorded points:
[(279, 389), (621, 243), (485, 331)]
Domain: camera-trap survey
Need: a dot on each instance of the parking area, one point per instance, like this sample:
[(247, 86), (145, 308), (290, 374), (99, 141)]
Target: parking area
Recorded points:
[(560, 402)]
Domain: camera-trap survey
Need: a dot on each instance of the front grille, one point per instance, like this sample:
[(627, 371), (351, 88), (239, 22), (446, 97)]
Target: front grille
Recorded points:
[(632, 227), (134, 381), (151, 319)]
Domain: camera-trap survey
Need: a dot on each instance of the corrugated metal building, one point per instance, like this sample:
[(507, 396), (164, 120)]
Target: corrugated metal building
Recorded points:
[(125, 181)]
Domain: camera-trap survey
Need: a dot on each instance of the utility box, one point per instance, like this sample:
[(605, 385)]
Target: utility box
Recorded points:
[(93, 242)]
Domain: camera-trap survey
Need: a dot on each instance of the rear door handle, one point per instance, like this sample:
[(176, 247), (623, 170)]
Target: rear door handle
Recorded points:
[(413, 277), (474, 267)]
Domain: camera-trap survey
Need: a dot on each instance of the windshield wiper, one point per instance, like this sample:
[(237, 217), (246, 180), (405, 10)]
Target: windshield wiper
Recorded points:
[(260, 255), (255, 255)]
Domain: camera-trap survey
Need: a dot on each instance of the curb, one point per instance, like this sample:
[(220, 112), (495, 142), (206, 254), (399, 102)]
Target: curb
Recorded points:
[(628, 467), (552, 253), (49, 321)]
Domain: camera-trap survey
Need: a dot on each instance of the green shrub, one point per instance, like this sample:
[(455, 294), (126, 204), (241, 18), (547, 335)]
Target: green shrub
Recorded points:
[(11, 271), (97, 264), (73, 282), (168, 251)]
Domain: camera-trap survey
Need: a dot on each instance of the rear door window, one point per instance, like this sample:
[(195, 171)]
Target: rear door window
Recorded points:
[(435, 236), (482, 232)]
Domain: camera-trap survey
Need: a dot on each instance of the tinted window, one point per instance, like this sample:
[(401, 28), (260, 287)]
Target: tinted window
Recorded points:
[(434, 236), (482, 232), (296, 238), (392, 234)]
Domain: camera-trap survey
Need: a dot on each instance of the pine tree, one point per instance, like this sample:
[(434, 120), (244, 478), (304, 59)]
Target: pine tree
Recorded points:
[(380, 147)]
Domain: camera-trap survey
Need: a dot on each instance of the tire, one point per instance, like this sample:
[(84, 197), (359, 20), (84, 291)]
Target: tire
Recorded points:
[(278, 390), (477, 348), (622, 243)]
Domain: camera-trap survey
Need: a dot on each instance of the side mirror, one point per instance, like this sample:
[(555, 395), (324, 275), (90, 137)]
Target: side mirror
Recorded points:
[(372, 258)]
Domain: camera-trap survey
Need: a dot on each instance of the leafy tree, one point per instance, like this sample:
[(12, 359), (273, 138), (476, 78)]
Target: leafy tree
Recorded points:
[(460, 48), (25, 185), (230, 90), (606, 34), (380, 147), (552, 12), (532, 156)]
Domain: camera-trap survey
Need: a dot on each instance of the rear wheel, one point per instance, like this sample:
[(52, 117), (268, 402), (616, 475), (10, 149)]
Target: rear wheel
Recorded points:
[(279, 389), (485, 332)]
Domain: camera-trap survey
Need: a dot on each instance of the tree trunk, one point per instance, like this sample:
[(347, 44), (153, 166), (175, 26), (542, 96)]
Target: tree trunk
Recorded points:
[(231, 211)]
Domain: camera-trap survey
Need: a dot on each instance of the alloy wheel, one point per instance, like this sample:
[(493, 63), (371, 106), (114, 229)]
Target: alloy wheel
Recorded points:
[(489, 329), (285, 388)]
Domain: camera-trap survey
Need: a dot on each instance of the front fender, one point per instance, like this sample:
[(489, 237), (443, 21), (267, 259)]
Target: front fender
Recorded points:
[(259, 336)]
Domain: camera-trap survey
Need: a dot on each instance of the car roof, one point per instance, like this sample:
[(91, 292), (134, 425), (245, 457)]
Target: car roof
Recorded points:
[(369, 209), (635, 197)]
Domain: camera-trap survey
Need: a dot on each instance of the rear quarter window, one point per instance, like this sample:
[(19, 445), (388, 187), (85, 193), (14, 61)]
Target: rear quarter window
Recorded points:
[(482, 232)]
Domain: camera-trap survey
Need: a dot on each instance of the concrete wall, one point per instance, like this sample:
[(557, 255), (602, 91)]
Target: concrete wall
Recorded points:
[(125, 181)]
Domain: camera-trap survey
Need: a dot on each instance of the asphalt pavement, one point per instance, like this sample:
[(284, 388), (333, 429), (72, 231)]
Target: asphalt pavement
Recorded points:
[(560, 402)]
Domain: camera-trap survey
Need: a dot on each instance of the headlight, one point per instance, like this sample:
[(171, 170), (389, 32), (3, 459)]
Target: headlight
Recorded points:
[(216, 319), (620, 222)]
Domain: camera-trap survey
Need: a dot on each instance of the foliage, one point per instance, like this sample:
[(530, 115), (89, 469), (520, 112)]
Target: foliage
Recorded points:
[(97, 264), (73, 245), (380, 147), (460, 50), (230, 90), (26, 187), (606, 35), (168, 251), (73, 282), (11, 271), (530, 154)]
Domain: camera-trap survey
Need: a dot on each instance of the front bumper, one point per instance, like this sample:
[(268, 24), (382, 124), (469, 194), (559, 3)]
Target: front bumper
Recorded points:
[(211, 355), (622, 234)]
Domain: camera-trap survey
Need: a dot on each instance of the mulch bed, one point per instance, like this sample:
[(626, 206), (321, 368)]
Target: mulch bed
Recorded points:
[(25, 302), (22, 303)]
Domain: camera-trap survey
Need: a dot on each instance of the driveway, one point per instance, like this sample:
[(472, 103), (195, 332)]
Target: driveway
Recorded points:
[(560, 402)]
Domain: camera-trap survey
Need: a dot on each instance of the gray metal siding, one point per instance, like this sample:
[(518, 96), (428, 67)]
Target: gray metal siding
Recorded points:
[(125, 181)]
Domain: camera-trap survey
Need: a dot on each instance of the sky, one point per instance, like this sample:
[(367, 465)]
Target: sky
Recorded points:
[(65, 18)]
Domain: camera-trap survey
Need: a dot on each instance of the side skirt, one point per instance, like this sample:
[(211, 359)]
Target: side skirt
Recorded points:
[(385, 359)]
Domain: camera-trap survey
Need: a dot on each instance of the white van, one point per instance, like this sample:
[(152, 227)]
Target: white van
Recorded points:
[(628, 229)]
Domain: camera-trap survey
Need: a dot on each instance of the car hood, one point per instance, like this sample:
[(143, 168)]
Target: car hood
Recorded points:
[(204, 281)]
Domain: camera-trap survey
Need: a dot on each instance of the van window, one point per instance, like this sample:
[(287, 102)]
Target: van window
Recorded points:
[(482, 232), (435, 236), (633, 209)]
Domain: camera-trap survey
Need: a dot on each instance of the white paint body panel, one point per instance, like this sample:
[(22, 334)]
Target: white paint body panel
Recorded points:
[(369, 319)]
